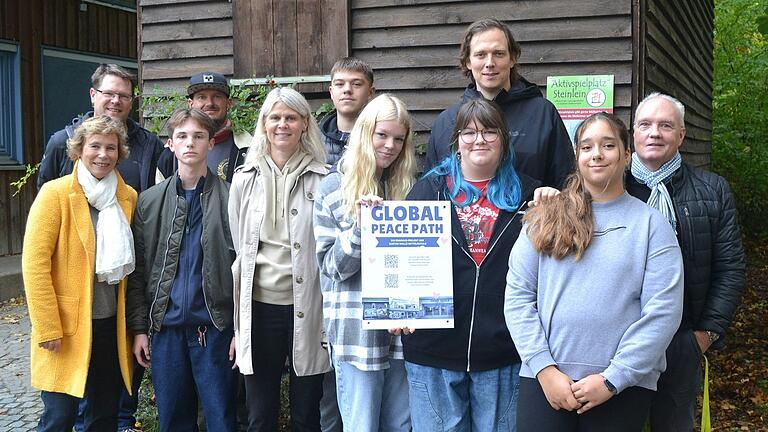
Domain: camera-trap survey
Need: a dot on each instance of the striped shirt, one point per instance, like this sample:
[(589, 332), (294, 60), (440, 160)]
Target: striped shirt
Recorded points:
[(338, 255)]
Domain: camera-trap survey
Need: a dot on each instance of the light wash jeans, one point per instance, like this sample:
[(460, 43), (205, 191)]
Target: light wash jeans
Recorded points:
[(445, 400), (373, 401)]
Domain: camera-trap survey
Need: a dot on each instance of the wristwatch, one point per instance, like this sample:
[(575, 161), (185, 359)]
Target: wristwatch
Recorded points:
[(712, 336), (611, 387)]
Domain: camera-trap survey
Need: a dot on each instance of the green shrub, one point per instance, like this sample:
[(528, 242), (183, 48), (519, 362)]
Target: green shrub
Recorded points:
[(740, 130)]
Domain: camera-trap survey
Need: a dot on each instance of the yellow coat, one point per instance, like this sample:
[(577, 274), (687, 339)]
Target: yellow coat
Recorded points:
[(58, 262)]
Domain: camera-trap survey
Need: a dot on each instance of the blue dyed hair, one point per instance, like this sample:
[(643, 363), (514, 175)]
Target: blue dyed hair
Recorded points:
[(504, 190)]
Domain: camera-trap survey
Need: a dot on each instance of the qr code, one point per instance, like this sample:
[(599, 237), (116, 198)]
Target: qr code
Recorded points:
[(390, 281), (390, 261)]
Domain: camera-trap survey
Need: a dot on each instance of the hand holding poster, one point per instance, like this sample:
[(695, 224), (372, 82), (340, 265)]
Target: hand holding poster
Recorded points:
[(406, 265)]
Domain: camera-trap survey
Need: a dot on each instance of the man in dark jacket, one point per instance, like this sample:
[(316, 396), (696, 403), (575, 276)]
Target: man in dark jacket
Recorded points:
[(210, 93), (112, 95), (351, 88), (181, 290), (700, 207), (488, 57)]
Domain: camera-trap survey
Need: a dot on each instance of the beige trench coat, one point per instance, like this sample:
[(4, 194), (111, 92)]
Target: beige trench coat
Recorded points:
[(246, 215)]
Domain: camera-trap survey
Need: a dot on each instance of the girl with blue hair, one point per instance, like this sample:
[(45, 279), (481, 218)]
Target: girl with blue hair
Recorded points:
[(466, 378)]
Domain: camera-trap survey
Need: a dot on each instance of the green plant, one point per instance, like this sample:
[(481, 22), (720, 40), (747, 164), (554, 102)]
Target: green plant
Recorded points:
[(246, 102), (30, 170), (740, 130)]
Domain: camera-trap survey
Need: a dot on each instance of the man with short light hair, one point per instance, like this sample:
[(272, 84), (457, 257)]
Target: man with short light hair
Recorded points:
[(112, 95), (700, 207), (351, 89)]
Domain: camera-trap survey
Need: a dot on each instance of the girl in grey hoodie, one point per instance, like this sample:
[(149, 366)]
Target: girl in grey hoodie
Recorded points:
[(594, 295)]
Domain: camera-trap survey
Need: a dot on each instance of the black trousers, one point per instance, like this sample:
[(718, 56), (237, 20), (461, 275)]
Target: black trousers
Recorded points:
[(102, 388), (625, 412), (272, 342), (674, 405)]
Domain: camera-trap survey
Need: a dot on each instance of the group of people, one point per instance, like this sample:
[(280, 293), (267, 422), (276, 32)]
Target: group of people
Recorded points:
[(577, 306)]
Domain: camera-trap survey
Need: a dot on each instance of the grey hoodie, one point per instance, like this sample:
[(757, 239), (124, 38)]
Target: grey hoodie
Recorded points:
[(614, 311)]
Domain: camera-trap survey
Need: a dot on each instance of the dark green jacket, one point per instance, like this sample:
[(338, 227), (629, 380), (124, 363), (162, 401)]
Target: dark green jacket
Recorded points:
[(158, 227)]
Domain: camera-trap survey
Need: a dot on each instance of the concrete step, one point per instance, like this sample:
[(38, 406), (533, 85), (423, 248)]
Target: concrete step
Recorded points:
[(11, 283)]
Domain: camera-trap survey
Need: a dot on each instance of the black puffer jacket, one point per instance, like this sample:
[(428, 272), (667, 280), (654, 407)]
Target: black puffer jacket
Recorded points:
[(480, 339), (713, 256), (542, 147)]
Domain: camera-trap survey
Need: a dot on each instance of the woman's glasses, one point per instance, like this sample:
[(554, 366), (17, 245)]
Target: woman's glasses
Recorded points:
[(469, 136)]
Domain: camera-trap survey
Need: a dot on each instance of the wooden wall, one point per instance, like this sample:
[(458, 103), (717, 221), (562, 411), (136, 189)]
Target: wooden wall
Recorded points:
[(289, 37), (413, 48), (179, 38), (60, 24), (678, 60)]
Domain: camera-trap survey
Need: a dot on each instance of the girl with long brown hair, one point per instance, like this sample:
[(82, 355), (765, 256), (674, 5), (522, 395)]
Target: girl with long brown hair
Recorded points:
[(594, 295)]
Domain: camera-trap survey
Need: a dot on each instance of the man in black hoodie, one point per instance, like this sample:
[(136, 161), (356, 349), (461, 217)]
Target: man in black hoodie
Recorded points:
[(488, 57), (351, 88)]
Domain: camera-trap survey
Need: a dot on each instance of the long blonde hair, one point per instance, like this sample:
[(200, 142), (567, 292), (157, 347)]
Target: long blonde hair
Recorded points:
[(564, 225), (310, 141), (358, 165)]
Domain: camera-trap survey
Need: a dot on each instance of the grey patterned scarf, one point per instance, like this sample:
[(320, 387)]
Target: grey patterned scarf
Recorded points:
[(659, 199)]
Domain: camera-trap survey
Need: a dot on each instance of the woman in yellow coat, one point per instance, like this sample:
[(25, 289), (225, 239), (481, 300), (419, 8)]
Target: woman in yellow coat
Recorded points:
[(78, 249)]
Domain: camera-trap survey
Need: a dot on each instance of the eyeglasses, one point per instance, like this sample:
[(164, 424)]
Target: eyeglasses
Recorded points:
[(111, 96), (469, 136)]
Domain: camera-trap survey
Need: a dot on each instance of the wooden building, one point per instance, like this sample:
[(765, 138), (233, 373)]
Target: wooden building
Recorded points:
[(48, 51), (648, 45)]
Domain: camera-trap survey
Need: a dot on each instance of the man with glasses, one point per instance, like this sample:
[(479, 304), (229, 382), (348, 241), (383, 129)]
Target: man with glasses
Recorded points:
[(112, 95)]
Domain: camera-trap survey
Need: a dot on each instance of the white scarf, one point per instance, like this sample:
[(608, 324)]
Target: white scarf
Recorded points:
[(114, 240), (659, 199)]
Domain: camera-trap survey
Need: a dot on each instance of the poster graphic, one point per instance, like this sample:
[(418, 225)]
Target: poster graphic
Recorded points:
[(577, 97), (406, 265)]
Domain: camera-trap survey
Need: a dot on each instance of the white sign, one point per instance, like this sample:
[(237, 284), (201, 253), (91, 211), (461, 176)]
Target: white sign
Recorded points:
[(406, 266)]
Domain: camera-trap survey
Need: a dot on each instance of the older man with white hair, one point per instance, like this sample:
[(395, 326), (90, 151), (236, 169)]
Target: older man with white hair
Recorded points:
[(700, 207)]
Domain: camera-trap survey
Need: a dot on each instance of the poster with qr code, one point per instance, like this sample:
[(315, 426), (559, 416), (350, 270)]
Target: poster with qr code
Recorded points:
[(406, 265)]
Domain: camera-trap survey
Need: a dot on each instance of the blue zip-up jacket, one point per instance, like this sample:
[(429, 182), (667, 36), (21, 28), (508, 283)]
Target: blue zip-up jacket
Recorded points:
[(186, 304)]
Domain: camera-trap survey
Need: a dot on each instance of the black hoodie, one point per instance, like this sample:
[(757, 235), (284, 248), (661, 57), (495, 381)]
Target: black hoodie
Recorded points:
[(479, 339), (542, 147), (334, 140)]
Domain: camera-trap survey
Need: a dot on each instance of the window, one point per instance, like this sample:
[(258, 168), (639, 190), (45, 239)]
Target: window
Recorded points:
[(66, 81), (10, 106)]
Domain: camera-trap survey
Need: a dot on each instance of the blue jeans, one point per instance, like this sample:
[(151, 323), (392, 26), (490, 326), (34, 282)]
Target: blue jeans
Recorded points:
[(373, 401), (182, 370), (446, 400), (102, 387)]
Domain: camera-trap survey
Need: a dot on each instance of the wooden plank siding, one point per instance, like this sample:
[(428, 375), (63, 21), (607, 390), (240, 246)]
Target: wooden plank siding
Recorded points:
[(413, 48), (679, 61), (56, 24), (182, 37), (285, 38)]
